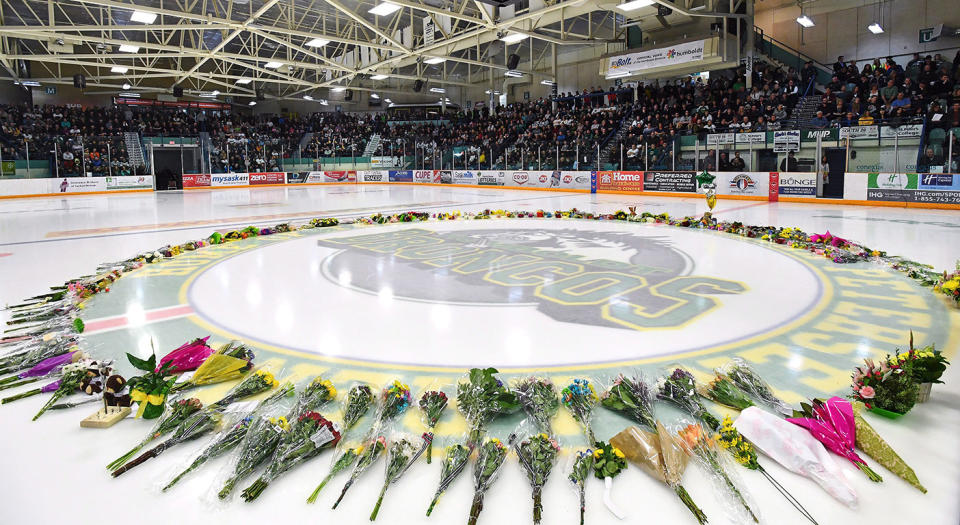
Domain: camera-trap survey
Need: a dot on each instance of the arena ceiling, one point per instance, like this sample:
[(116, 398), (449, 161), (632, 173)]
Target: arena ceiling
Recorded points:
[(291, 48)]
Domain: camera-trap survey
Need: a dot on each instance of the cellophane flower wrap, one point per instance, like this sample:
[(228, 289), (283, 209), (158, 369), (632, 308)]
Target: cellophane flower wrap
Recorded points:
[(580, 469), (832, 423), (749, 381), (259, 444), (432, 404), (481, 398), (358, 402), (47, 367), (580, 398), (179, 412), (69, 382), (870, 442), (537, 455), (315, 395), (633, 398), (490, 457), (372, 449), (229, 363), (341, 462), (539, 399), (796, 450), (394, 400), (252, 384), (189, 356), (307, 438), (680, 388), (454, 464), (402, 451), (723, 391), (661, 456), (709, 454)]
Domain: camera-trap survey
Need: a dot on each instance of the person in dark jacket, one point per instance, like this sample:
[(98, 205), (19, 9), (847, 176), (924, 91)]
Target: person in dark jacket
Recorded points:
[(790, 163)]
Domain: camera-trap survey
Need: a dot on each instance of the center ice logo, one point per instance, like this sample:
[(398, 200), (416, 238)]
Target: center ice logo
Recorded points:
[(586, 277)]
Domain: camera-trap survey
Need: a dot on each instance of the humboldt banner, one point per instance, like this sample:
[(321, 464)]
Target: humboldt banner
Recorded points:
[(651, 58)]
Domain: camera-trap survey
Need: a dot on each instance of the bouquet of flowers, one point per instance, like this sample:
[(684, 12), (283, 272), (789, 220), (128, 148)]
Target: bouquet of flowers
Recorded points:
[(582, 466), (681, 389), (797, 450), (537, 456), (580, 398), (371, 453), (660, 456), (874, 446), (179, 412), (195, 426), (538, 397), (253, 384), (743, 452), (73, 377), (230, 362), (489, 460), (187, 357), (317, 393), (453, 466), (632, 397), (310, 436), (706, 450), (949, 285), (395, 398), (224, 442), (885, 388), (47, 367), (928, 363), (432, 404), (723, 391), (747, 379), (341, 463), (258, 445), (481, 398), (608, 462), (151, 388), (400, 455), (359, 400), (831, 422)]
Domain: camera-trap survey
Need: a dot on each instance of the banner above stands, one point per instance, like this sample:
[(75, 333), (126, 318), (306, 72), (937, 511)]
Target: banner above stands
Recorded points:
[(654, 58)]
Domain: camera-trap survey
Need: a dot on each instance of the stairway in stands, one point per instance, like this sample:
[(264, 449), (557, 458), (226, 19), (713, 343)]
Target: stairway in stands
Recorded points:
[(134, 150), (206, 151), (803, 112), (372, 144)]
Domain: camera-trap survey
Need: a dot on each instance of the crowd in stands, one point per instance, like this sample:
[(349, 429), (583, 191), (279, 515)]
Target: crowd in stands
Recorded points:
[(873, 91), (642, 123)]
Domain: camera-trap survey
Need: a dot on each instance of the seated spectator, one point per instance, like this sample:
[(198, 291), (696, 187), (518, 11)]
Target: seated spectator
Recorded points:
[(819, 121)]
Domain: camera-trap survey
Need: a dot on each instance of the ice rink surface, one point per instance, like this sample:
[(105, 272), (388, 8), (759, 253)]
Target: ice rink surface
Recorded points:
[(54, 470)]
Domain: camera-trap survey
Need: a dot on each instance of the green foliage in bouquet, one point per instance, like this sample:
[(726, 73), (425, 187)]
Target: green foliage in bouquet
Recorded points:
[(886, 386)]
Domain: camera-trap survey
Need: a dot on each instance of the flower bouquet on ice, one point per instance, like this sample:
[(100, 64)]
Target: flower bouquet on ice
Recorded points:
[(454, 464), (632, 397), (395, 398), (401, 453), (661, 456), (724, 392), (749, 381), (432, 404), (874, 446), (538, 397), (490, 458), (700, 446), (580, 471), (580, 398), (680, 388), (481, 398), (832, 423), (230, 362), (358, 402), (340, 463), (308, 437), (179, 412), (371, 451), (887, 389), (796, 450), (608, 462), (537, 455)]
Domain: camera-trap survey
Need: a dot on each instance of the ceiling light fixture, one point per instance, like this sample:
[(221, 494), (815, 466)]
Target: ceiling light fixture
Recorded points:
[(805, 21), (317, 42), (338, 89), (323, 102), (513, 73), (129, 94), (272, 65), (307, 97), (378, 77), (438, 90), (119, 69), (243, 81), (126, 86), (634, 5), (374, 95), (252, 103), (513, 38), (546, 82), (435, 60), (128, 48), (143, 17), (875, 28), (384, 9)]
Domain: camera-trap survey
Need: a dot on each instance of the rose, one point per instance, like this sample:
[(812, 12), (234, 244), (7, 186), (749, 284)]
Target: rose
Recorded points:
[(867, 392)]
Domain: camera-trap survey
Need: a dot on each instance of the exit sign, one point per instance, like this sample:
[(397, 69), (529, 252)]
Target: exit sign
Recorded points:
[(50, 90)]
